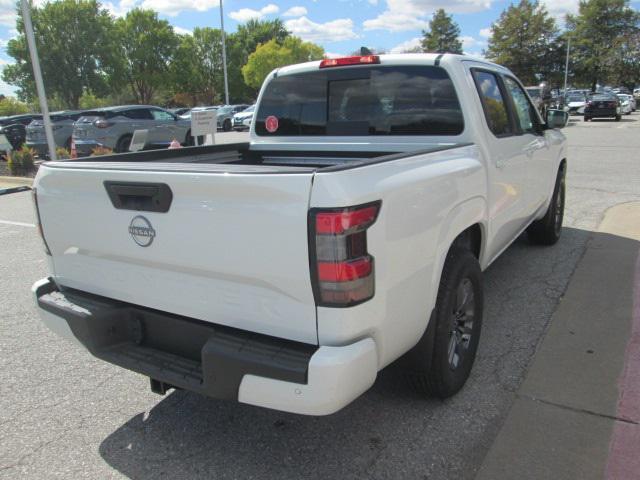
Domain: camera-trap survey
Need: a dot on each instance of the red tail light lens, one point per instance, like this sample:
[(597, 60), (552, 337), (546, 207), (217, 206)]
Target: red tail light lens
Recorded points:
[(359, 60), (342, 269)]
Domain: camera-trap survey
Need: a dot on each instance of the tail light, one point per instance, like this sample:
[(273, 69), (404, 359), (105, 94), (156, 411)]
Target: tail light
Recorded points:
[(102, 123), (34, 195), (359, 60), (341, 268)]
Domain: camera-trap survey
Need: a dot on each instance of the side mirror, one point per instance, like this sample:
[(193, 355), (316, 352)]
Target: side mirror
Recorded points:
[(556, 118)]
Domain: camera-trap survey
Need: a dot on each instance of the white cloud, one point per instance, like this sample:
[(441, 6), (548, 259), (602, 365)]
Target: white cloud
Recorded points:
[(334, 55), (408, 45), (333, 31), (413, 14), (373, 2), (246, 14), (182, 31), (172, 8), (559, 8), (295, 12), (470, 42), (485, 32), (6, 89)]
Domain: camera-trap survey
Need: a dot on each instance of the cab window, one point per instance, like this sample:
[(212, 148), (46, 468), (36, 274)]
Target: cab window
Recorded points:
[(525, 115), (493, 102)]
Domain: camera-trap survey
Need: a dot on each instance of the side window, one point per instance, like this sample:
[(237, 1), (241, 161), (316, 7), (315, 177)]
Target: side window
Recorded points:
[(524, 109), (161, 115), (495, 108), (138, 114)]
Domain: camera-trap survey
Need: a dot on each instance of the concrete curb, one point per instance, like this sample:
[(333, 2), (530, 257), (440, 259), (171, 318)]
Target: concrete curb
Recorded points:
[(569, 419), (6, 191)]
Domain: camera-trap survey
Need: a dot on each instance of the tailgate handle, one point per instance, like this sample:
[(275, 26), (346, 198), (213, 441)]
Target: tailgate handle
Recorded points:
[(145, 197)]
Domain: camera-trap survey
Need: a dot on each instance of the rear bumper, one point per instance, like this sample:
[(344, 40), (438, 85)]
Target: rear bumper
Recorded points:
[(40, 148), (209, 359), (601, 112)]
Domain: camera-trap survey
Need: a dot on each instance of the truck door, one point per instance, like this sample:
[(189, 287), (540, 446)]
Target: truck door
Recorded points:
[(507, 161), (535, 145)]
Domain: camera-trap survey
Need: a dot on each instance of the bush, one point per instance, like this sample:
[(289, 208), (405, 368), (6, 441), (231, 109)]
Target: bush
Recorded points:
[(99, 151), (20, 162), (63, 153)]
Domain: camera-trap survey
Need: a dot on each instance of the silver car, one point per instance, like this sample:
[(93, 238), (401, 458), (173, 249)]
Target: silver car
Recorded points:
[(225, 115), (62, 126), (113, 128)]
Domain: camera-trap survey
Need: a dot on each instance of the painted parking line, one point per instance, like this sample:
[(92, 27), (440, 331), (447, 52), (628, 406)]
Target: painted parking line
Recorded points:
[(17, 224)]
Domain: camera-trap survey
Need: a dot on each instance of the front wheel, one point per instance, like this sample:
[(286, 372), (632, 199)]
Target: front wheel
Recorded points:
[(548, 229), (226, 126), (441, 362), (618, 118), (123, 144)]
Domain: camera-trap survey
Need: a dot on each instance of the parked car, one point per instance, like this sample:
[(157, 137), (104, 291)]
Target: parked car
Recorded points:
[(179, 111), (242, 120), (625, 97), (113, 128), (602, 105), (225, 115), (187, 115), (351, 231), (576, 101), (541, 97), (62, 125), (636, 93), (625, 103), (14, 128)]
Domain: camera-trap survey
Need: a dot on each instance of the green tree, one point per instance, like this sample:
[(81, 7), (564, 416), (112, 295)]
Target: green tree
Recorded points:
[(272, 55), (524, 39), (74, 41), (147, 46), (598, 34), (443, 35), (12, 106), (197, 67), (243, 43)]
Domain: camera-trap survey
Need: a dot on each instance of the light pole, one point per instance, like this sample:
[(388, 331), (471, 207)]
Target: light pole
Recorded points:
[(37, 75), (566, 70), (224, 57)]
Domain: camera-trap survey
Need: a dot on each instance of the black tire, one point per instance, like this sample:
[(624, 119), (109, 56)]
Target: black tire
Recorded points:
[(548, 229), (618, 118), (226, 126), (586, 119), (441, 362), (124, 142)]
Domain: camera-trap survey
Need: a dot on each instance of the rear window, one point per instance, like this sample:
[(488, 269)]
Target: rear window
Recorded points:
[(381, 100)]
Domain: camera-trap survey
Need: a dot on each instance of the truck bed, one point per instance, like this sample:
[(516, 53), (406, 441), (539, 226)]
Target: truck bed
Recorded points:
[(240, 158)]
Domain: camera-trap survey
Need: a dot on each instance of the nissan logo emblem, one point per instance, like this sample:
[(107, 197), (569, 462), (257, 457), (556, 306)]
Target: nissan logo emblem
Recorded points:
[(141, 231)]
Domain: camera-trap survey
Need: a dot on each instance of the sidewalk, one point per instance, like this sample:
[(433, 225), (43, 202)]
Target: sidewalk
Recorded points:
[(14, 184), (577, 413)]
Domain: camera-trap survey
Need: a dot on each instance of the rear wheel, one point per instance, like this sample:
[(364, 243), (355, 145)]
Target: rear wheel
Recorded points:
[(188, 140), (548, 229), (441, 362), (226, 126), (618, 118), (586, 119), (123, 144)]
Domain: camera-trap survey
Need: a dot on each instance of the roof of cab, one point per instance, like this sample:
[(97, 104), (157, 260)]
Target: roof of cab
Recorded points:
[(398, 59)]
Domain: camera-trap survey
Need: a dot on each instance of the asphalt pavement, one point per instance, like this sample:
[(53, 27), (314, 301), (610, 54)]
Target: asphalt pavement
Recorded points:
[(65, 414)]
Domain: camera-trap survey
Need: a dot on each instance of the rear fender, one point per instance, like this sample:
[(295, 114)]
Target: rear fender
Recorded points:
[(464, 215)]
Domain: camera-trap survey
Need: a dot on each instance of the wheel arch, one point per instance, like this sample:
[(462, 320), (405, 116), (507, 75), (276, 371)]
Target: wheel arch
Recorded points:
[(465, 226)]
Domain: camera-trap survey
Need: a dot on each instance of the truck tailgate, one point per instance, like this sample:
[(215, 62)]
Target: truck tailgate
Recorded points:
[(232, 249)]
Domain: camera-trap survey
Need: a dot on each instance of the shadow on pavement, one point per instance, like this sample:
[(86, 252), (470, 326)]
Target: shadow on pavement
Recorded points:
[(389, 432)]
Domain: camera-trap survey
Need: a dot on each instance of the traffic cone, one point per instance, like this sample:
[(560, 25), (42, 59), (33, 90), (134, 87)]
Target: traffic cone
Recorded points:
[(174, 144), (74, 152)]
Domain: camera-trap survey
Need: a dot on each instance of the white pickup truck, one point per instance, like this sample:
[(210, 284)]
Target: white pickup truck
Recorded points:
[(286, 272)]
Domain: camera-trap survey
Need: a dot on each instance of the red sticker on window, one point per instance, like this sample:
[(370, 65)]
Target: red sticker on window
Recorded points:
[(271, 124)]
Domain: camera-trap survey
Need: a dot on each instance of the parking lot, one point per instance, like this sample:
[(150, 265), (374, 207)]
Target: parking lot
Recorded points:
[(65, 414)]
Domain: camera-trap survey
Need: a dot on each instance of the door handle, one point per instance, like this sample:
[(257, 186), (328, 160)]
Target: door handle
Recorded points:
[(146, 197)]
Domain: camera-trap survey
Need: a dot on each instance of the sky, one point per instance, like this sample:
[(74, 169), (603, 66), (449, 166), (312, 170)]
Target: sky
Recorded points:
[(340, 26)]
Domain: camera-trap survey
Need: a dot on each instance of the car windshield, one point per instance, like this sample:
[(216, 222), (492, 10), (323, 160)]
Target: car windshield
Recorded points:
[(224, 110), (575, 98), (250, 109)]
